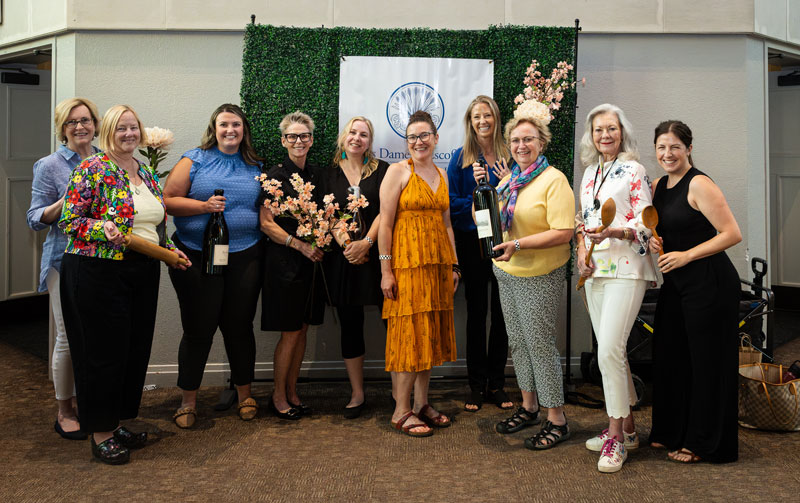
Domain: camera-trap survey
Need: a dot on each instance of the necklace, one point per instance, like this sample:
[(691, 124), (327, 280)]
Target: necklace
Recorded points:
[(596, 201)]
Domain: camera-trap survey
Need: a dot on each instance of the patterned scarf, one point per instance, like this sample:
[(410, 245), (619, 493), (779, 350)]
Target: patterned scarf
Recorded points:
[(508, 190)]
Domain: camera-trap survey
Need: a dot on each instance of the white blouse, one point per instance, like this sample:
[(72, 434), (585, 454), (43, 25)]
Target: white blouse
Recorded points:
[(628, 184)]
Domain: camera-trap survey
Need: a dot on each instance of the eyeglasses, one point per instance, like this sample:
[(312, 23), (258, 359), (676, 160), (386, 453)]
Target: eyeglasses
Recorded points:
[(74, 123), (412, 138), (293, 137), (526, 140)]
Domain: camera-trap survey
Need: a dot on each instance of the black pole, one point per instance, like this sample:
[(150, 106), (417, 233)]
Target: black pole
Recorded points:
[(252, 19)]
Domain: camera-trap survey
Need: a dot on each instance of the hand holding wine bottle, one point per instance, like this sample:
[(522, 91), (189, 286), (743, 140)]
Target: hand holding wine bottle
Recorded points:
[(215, 203)]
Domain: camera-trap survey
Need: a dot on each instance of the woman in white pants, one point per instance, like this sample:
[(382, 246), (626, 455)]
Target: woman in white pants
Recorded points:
[(619, 271), (76, 125)]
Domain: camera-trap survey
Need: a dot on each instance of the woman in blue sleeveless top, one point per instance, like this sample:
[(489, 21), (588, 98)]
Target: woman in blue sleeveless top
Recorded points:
[(224, 160)]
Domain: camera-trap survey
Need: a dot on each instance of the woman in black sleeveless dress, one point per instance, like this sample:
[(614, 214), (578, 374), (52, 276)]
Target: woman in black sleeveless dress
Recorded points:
[(694, 348)]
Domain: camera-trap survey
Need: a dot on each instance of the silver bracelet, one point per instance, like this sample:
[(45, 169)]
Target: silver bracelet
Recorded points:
[(288, 240), (516, 245), (369, 240), (384, 257)]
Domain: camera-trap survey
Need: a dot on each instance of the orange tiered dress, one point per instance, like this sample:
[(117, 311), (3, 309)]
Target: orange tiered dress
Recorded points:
[(420, 331)]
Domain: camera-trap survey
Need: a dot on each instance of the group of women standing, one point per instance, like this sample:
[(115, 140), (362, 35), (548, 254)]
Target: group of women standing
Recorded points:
[(418, 224)]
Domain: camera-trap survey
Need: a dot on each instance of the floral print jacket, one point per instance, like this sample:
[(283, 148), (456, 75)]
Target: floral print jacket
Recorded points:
[(98, 190), (628, 184)]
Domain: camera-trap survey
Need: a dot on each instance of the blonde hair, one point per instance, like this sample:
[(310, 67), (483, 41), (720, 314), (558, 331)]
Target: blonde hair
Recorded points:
[(109, 125), (471, 150), (296, 117), (627, 147), (64, 108), (544, 131), (371, 163)]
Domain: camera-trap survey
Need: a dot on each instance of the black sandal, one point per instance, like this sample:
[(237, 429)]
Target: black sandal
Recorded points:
[(476, 399), (522, 418), (549, 436), (499, 397)]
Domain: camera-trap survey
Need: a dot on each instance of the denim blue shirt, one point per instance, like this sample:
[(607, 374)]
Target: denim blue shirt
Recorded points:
[(462, 184), (50, 177), (212, 169)]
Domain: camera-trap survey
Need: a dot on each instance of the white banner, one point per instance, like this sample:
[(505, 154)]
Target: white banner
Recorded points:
[(388, 90)]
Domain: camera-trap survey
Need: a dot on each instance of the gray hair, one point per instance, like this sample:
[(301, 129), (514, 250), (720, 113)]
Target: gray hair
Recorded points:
[(627, 148)]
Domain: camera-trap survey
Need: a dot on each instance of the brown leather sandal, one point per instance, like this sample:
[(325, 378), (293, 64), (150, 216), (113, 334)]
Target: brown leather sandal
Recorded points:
[(248, 409), (437, 421), (402, 427), (185, 417)]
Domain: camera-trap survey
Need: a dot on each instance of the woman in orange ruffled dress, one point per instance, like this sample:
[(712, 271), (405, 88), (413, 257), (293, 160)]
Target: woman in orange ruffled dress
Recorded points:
[(419, 275)]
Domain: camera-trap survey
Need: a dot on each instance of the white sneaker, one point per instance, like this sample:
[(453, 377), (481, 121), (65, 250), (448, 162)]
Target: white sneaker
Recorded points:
[(612, 456), (595, 444)]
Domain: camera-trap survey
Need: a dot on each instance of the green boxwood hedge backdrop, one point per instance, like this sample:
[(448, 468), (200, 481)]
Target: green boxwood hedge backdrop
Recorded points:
[(288, 69)]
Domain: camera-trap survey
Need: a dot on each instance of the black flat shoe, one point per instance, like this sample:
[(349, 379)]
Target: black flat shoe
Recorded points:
[(292, 414), (70, 435), (475, 399), (304, 409), (354, 412), (110, 452), (130, 439), (522, 418)]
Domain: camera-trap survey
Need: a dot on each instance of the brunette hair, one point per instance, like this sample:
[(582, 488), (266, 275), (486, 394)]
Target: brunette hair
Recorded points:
[(109, 125), (627, 147), (421, 116), (371, 162), (64, 108), (471, 149), (679, 129), (544, 131), (246, 147)]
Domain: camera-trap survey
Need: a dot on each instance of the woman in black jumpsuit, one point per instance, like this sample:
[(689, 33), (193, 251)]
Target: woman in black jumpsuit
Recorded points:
[(695, 345)]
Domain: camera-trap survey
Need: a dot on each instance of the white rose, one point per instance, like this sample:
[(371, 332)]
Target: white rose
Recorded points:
[(158, 137)]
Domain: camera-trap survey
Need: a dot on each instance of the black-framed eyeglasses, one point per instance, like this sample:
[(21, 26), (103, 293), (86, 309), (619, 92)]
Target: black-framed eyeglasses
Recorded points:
[(423, 137), (526, 140), (293, 137), (74, 123)]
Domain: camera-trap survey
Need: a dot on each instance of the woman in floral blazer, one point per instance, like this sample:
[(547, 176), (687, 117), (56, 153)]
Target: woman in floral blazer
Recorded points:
[(620, 270), (109, 293)]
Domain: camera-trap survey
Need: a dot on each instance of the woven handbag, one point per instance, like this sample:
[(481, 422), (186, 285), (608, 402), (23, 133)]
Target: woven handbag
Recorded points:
[(747, 353), (765, 401)]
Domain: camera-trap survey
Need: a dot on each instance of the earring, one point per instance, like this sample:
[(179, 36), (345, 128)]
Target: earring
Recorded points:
[(344, 156), (366, 160)]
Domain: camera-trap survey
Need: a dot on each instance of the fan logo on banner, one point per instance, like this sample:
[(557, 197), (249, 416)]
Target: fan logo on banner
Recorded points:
[(409, 98)]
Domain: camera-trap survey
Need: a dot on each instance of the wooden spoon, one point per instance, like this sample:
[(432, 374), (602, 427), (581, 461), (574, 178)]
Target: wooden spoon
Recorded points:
[(607, 213), (650, 220)]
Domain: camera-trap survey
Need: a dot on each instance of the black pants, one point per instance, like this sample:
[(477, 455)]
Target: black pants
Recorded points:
[(109, 309), (485, 367), (227, 301)]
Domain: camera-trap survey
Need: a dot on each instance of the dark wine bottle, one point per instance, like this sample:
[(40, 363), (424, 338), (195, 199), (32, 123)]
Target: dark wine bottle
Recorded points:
[(215, 242), (487, 217)]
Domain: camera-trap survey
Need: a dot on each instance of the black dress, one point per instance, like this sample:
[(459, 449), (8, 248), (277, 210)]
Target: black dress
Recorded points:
[(292, 291), (355, 285), (695, 362)]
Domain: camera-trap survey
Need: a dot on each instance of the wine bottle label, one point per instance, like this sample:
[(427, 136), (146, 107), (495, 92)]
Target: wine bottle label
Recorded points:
[(484, 222), (220, 255)]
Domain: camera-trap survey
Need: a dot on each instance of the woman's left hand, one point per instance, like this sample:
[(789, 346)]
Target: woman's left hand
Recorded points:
[(357, 252), (183, 256), (508, 248), (673, 260), (500, 169), (598, 237)]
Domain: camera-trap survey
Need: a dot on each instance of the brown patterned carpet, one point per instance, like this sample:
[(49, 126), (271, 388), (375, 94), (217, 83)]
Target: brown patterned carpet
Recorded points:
[(326, 457)]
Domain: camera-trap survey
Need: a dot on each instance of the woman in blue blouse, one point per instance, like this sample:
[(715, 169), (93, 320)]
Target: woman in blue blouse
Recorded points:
[(224, 160), (76, 125), (483, 141)]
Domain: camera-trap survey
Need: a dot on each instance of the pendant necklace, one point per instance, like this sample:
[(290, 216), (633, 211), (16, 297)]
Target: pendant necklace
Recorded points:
[(596, 201)]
